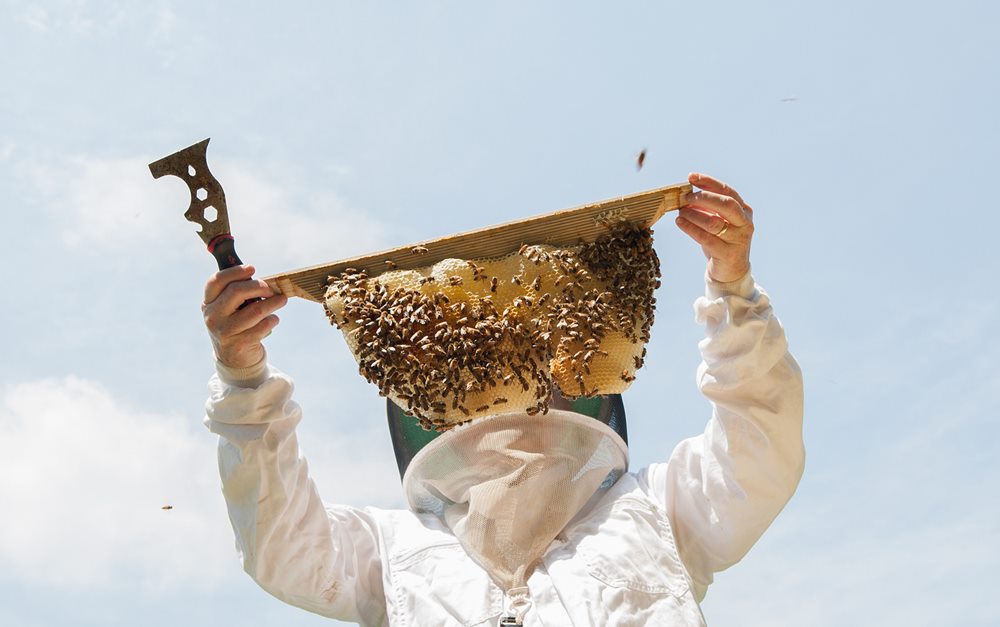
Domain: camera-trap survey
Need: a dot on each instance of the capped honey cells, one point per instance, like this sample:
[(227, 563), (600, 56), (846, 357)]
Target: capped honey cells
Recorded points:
[(468, 338)]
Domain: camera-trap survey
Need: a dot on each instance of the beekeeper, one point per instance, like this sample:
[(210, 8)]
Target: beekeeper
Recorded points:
[(617, 547)]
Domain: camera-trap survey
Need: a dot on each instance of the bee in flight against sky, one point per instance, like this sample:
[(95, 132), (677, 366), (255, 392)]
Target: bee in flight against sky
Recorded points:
[(167, 507), (640, 159)]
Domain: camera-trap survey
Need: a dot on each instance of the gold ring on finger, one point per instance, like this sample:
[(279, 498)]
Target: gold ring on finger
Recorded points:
[(725, 227)]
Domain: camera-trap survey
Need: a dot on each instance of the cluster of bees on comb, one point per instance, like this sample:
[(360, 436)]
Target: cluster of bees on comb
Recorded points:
[(468, 338)]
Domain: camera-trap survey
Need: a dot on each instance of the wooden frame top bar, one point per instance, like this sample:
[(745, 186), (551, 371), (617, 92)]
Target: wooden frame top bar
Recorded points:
[(567, 227)]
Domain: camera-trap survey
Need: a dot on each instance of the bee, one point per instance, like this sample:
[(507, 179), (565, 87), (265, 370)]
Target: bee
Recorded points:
[(639, 160), (390, 264), (167, 507), (419, 250)]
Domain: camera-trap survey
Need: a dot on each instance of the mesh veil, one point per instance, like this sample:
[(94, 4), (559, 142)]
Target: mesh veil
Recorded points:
[(408, 437), (506, 485)]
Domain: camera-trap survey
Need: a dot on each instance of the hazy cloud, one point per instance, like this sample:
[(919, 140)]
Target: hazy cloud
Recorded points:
[(109, 203), (293, 228), (115, 205), (85, 18), (35, 17), (164, 21), (84, 480)]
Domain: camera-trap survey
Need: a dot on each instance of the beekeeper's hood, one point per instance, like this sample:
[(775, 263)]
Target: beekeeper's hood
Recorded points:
[(506, 485)]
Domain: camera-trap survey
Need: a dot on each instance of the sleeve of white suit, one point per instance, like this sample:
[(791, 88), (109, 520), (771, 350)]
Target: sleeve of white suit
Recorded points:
[(321, 558), (723, 488)]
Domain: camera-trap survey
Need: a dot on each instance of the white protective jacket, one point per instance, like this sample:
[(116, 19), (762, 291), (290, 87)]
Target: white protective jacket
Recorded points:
[(642, 553)]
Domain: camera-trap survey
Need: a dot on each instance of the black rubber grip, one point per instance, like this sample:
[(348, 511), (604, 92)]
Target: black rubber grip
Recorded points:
[(223, 248)]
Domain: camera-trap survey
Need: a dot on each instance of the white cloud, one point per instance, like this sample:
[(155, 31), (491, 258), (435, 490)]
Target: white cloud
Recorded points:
[(115, 205), (80, 18), (288, 229), (164, 21), (112, 203), (84, 480), (36, 18), (80, 22)]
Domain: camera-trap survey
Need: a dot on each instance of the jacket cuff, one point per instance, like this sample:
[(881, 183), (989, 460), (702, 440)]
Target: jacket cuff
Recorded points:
[(249, 377), (743, 287)]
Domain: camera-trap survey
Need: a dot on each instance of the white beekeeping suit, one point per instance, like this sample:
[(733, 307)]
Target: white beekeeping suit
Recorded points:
[(640, 551)]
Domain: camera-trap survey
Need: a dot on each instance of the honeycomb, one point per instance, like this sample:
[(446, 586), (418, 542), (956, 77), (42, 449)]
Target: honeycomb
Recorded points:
[(468, 338)]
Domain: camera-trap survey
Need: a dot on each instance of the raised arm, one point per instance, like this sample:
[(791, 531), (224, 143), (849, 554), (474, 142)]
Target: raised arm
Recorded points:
[(723, 488), (323, 559)]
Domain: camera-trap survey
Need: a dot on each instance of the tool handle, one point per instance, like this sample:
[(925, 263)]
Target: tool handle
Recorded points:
[(223, 248)]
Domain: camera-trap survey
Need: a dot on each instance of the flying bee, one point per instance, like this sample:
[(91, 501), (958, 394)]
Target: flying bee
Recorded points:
[(639, 160), (419, 250)]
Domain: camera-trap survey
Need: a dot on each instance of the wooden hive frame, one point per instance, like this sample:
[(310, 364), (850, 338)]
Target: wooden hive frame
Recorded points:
[(567, 227)]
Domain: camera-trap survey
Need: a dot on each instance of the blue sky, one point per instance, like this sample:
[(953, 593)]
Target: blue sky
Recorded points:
[(864, 134)]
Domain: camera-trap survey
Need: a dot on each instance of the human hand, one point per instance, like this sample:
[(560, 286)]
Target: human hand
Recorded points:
[(237, 333), (717, 218)]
